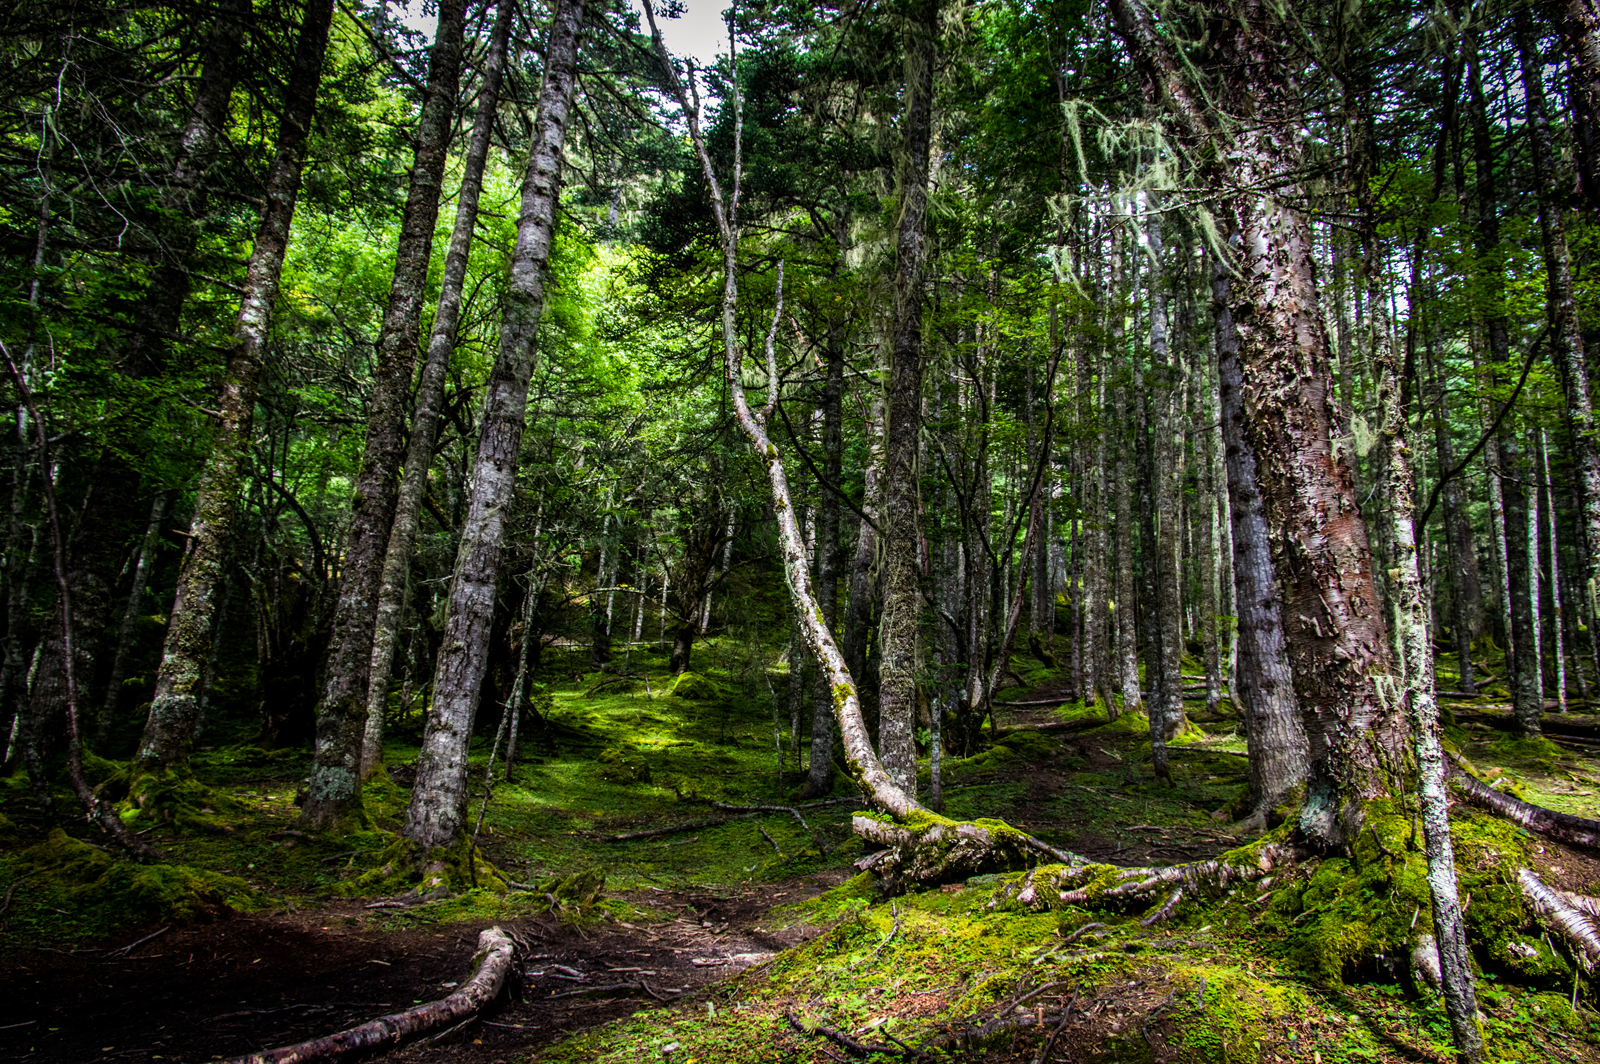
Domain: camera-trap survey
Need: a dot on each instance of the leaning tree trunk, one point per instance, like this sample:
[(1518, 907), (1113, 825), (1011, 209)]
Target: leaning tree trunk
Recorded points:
[(438, 809), (881, 789), (333, 797), (902, 599), (185, 199), (430, 395), (1415, 688), (169, 731)]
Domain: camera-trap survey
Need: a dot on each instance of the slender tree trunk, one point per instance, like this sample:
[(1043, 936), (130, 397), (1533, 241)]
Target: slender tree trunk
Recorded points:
[(902, 601), (333, 796), (185, 199), (820, 782), (1565, 318), (1166, 715), (130, 619), (868, 772), (1552, 580), (1415, 687), (1126, 613), (1467, 601), (438, 808), (169, 731)]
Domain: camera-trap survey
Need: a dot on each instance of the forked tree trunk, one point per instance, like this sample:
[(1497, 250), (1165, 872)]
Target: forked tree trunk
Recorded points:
[(333, 796), (169, 730), (438, 809), (424, 434)]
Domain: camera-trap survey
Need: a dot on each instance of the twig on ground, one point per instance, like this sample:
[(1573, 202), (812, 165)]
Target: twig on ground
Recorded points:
[(130, 947)]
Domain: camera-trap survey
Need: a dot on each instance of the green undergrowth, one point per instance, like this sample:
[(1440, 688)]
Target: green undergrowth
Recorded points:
[(945, 960), (78, 891)]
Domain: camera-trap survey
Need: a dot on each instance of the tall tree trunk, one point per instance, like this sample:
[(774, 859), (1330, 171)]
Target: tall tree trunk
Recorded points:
[(333, 796), (1166, 713), (185, 199), (827, 554), (1565, 319), (902, 600), (1336, 634), (1580, 33), (869, 773), (1125, 616), (1415, 687), (169, 731), (424, 434), (438, 807), (1466, 601)]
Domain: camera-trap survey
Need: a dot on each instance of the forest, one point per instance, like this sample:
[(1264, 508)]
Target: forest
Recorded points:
[(993, 530)]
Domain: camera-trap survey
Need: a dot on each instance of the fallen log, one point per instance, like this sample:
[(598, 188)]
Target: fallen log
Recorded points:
[(1563, 827), (492, 964), (1558, 911)]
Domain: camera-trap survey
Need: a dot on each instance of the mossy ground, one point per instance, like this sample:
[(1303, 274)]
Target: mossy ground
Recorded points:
[(1302, 967)]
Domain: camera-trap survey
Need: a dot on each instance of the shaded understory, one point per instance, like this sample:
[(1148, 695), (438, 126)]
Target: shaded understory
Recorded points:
[(264, 936)]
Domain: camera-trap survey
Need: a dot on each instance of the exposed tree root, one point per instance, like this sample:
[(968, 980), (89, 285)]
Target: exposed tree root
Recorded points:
[(936, 850), (1048, 886), (1556, 909), (1574, 830), (493, 963)]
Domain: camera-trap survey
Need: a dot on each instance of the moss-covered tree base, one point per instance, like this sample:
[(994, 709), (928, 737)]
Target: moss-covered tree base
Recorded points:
[(934, 849)]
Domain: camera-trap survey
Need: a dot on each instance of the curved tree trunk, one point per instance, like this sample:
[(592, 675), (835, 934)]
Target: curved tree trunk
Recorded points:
[(438, 810)]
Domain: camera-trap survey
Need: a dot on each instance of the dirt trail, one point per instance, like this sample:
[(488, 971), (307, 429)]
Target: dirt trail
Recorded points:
[(204, 991)]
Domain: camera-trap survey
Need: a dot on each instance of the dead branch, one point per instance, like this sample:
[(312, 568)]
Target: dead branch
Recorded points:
[(675, 829), (860, 1049), (493, 963), (763, 809)]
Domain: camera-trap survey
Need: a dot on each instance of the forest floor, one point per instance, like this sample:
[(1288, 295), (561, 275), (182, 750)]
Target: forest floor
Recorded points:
[(748, 938)]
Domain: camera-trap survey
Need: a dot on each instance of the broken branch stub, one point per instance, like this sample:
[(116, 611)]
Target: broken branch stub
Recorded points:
[(492, 964)]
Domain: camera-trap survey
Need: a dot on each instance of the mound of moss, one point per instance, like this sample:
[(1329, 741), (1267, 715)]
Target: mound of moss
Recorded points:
[(696, 688), (105, 893), (620, 765)]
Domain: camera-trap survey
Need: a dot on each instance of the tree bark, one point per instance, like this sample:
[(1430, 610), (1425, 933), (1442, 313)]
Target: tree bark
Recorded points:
[(333, 797), (438, 807), (902, 601), (424, 433), (820, 779), (1565, 318), (1264, 687), (1125, 616), (169, 731)]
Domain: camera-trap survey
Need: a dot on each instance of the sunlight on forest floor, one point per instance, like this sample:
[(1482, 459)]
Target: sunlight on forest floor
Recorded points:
[(1225, 980)]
